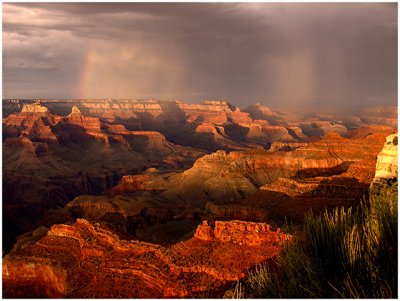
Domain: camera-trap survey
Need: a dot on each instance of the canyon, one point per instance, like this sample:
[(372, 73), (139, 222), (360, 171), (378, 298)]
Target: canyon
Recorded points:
[(154, 199), (84, 259), (49, 159), (213, 124)]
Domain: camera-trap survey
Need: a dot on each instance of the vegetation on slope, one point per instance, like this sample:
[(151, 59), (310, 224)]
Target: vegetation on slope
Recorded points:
[(342, 254)]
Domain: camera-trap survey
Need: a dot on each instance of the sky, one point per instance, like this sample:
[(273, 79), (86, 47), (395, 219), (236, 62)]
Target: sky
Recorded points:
[(284, 55)]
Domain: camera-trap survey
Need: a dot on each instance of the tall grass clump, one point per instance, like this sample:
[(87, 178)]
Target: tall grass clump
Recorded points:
[(339, 254), (236, 293)]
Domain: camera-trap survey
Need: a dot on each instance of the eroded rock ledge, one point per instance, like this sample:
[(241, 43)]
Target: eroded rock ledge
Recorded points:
[(240, 232), (86, 260)]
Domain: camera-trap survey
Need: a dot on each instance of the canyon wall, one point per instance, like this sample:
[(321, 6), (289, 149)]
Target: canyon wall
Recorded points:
[(252, 185), (211, 125), (49, 159), (331, 172), (86, 260), (384, 187)]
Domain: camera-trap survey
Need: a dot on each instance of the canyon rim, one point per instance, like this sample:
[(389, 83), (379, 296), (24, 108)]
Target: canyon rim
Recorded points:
[(199, 150)]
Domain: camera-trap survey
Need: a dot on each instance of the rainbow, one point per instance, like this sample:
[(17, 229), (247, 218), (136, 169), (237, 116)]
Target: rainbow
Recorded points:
[(85, 74)]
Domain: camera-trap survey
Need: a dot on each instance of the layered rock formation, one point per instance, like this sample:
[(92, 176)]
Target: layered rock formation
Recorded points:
[(317, 127), (86, 260), (119, 165), (262, 112), (34, 121), (60, 157), (331, 172), (384, 187), (218, 112), (361, 116), (252, 185), (241, 233), (387, 161), (37, 123), (211, 125), (132, 183)]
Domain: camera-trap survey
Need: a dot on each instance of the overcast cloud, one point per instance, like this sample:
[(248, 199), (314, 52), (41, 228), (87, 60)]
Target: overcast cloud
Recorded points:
[(280, 54)]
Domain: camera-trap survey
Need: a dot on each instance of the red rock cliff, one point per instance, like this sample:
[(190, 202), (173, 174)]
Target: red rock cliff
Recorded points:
[(84, 260), (241, 233)]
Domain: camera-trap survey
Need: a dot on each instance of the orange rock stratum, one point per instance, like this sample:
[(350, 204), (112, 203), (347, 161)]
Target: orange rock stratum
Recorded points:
[(86, 260)]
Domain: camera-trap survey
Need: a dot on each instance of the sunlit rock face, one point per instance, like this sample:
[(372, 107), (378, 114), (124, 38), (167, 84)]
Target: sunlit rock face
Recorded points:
[(251, 185), (384, 186), (75, 111), (49, 159), (240, 232), (387, 162), (333, 171), (86, 260), (35, 108), (126, 168), (34, 121), (211, 125), (80, 136)]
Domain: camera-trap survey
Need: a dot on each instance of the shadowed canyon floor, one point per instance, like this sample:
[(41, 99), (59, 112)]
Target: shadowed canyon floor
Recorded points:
[(126, 186)]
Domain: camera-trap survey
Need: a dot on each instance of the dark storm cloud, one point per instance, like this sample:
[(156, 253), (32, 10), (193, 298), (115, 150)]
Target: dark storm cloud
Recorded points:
[(282, 54)]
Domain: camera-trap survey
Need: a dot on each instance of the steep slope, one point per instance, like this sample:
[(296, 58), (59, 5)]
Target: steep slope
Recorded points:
[(72, 155), (86, 260), (211, 125), (288, 199), (262, 112), (33, 121), (250, 185), (384, 186)]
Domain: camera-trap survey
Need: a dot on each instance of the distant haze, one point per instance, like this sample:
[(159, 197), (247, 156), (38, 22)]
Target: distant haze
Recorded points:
[(289, 55)]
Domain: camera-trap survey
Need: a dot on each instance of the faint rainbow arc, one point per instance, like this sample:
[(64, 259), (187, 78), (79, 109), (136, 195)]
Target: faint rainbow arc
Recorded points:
[(85, 74)]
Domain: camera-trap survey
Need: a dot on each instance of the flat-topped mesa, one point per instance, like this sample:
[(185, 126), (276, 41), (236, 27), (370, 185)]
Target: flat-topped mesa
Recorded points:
[(285, 146), (241, 232), (219, 103), (126, 108), (131, 183), (216, 102), (35, 108)]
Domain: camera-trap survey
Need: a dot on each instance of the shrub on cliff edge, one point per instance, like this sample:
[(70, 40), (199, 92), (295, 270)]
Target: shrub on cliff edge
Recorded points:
[(343, 254)]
